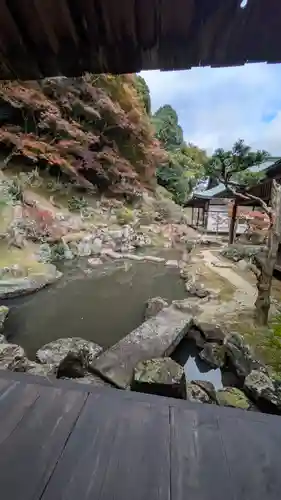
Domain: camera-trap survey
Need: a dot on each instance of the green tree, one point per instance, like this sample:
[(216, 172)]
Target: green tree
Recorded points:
[(167, 128), (182, 172), (234, 168), (185, 164), (143, 92)]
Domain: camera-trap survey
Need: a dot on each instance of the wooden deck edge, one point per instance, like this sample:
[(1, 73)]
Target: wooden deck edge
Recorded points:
[(206, 410)]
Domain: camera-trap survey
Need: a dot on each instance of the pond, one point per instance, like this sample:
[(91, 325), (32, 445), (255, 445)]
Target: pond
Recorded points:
[(187, 355), (102, 304)]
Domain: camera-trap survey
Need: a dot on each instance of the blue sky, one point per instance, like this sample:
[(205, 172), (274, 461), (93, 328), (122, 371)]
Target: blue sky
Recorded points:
[(216, 106)]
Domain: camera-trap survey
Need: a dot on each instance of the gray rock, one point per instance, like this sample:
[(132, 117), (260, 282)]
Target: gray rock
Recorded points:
[(213, 354), (17, 287), (111, 253), (208, 387), (4, 310), (54, 352), (262, 388), (12, 357), (155, 338), (172, 263), (153, 258), (241, 356), (196, 393), (116, 234), (84, 247), (45, 370), (45, 253), (94, 262), (161, 376), (196, 290), (141, 241), (96, 246), (154, 306), (197, 337), (133, 256), (257, 382), (186, 305), (74, 364), (211, 332), (233, 397)]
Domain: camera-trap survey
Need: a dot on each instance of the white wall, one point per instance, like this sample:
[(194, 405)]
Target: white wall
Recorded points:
[(218, 220)]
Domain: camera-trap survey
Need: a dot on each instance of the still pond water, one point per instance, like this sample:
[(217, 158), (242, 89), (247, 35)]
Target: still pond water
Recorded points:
[(103, 304)]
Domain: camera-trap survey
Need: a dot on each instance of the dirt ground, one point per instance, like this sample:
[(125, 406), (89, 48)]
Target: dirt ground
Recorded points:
[(233, 303)]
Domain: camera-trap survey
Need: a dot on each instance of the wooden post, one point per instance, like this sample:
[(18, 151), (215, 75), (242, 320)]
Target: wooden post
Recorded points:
[(198, 212), (192, 216), (232, 223)]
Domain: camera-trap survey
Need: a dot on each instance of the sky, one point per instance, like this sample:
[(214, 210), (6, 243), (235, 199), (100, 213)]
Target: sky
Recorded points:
[(217, 106)]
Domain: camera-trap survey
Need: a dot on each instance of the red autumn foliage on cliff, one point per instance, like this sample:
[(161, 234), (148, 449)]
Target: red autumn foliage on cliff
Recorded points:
[(93, 129)]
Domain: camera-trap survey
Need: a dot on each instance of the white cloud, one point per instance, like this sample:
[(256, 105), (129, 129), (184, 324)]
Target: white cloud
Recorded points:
[(216, 106)]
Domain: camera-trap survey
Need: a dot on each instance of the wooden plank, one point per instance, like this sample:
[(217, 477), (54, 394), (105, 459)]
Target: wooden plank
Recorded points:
[(253, 454), (119, 449), (29, 454), (198, 466), (15, 400)]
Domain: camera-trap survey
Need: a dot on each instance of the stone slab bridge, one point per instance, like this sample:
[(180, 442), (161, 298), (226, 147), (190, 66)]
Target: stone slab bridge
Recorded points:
[(69, 37)]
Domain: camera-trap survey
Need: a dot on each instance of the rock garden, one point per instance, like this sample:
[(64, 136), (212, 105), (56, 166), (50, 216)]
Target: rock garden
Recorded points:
[(142, 361)]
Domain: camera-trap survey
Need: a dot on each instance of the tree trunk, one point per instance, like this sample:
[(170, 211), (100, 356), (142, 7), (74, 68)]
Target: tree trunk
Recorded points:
[(267, 262), (232, 223)]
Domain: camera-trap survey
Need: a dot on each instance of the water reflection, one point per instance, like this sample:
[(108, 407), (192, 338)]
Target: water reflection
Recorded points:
[(187, 355)]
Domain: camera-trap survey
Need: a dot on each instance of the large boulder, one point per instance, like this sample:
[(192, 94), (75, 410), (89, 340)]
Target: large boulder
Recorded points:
[(196, 393), (233, 397), (210, 332), (213, 354), (155, 338), (154, 306), (54, 352), (195, 335), (43, 275), (4, 310), (161, 376), (263, 389), (208, 387), (241, 356), (74, 365), (12, 357)]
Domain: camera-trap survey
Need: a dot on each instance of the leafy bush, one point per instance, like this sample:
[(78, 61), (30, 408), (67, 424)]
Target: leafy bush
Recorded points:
[(77, 203), (11, 190), (124, 215)]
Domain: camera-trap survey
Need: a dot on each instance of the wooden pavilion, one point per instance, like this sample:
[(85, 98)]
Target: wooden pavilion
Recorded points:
[(217, 199)]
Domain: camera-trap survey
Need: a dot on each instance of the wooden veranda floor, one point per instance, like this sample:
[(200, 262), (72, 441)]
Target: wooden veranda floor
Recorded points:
[(67, 441)]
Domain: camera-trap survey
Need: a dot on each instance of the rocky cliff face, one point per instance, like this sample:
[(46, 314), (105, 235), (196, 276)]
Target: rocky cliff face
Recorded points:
[(92, 129)]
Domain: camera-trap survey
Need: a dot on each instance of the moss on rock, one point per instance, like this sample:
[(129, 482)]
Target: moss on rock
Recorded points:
[(233, 397)]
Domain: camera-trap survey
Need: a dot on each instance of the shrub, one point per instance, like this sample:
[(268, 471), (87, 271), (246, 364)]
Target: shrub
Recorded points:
[(77, 204), (124, 215)]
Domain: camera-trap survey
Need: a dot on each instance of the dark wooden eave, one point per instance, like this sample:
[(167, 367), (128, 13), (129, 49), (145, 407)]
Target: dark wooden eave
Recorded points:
[(41, 38)]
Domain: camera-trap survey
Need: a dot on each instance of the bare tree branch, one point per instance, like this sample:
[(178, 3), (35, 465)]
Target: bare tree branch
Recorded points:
[(248, 197)]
